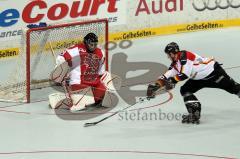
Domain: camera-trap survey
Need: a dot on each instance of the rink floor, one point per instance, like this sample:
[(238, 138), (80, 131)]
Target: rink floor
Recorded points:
[(149, 130)]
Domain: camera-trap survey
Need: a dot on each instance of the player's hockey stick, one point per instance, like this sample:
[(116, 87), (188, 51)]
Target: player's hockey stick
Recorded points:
[(107, 117)]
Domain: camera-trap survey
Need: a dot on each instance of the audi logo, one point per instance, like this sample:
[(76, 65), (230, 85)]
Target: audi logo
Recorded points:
[(221, 4)]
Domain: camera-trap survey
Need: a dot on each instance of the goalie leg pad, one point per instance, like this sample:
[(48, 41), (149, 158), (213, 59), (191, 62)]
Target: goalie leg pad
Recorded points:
[(81, 99), (111, 81), (77, 102), (110, 100), (99, 92), (57, 100)]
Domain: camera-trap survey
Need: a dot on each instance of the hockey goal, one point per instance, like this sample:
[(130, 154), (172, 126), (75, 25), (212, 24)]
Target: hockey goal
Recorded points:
[(36, 58)]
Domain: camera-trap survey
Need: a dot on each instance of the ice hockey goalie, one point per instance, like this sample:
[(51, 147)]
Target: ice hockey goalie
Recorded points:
[(80, 69)]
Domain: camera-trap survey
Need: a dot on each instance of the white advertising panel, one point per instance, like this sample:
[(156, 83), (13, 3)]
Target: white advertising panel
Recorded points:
[(16, 14)]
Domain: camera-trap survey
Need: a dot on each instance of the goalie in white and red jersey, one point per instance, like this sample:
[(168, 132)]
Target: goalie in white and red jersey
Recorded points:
[(201, 72), (86, 62)]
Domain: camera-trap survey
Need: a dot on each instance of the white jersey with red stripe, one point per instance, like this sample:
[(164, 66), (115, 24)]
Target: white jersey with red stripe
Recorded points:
[(86, 67), (190, 65)]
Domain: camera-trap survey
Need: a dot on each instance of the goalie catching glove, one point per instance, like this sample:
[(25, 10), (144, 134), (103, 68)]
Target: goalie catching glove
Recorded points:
[(161, 82)]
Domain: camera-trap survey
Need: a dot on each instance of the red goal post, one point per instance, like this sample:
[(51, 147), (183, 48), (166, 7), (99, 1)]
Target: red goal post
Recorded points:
[(36, 50)]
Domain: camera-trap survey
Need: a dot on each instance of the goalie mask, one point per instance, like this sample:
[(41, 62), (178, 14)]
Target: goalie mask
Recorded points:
[(91, 41)]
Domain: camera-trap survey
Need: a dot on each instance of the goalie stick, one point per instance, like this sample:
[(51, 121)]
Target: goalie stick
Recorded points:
[(107, 117)]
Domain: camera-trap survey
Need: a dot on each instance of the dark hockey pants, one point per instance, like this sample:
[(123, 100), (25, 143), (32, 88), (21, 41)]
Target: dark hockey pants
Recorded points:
[(217, 79)]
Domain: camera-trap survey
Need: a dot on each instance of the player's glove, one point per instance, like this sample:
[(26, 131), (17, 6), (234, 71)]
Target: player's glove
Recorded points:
[(167, 83), (151, 90)]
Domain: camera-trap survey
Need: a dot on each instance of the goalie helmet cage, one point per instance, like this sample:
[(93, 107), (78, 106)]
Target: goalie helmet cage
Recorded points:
[(37, 50)]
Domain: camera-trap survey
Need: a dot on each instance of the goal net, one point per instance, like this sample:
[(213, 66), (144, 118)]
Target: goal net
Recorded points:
[(31, 68)]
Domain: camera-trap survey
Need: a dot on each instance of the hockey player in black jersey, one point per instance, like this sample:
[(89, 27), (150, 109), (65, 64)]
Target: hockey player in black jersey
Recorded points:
[(200, 72)]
